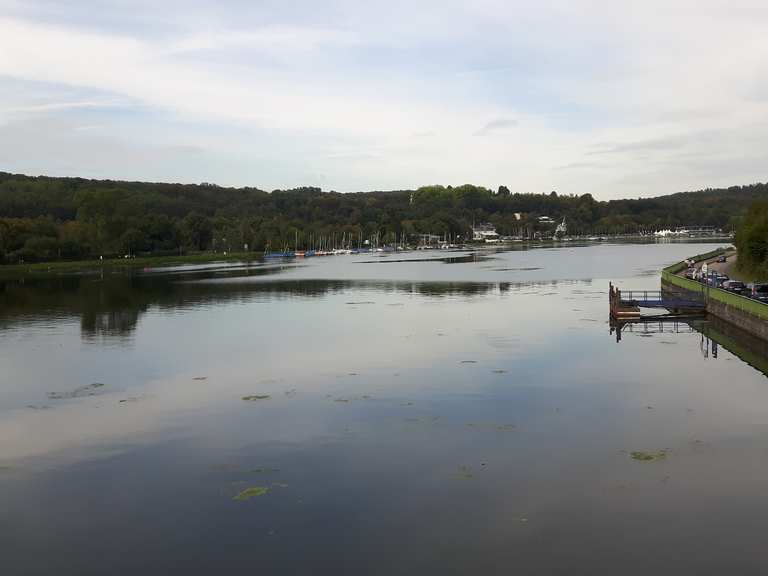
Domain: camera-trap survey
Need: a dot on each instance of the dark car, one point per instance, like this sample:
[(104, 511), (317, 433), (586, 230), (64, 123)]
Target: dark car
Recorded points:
[(716, 280), (760, 292), (735, 286), (722, 258)]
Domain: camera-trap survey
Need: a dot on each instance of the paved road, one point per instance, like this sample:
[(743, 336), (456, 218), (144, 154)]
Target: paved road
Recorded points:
[(728, 267)]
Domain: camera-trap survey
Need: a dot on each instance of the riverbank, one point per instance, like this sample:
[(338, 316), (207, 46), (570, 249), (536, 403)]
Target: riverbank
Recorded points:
[(750, 315), (117, 264), (730, 268)]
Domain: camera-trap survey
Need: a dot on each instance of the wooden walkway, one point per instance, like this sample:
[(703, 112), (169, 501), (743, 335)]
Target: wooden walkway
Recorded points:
[(626, 304)]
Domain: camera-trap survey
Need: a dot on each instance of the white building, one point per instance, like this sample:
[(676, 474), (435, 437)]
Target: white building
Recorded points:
[(485, 233)]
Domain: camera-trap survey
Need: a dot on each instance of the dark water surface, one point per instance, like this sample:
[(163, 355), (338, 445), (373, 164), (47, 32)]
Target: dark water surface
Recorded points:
[(427, 413)]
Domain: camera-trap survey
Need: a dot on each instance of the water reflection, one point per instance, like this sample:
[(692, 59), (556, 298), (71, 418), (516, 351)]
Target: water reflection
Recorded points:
[(714, 332), (446, 420), (110, 306)]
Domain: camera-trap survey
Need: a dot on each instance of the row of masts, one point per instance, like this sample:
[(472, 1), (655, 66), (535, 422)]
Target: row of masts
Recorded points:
[(347, 242)]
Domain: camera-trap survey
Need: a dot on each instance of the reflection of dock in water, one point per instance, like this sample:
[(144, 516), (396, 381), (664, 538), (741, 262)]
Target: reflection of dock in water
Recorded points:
[(715, 333), (651, 325)]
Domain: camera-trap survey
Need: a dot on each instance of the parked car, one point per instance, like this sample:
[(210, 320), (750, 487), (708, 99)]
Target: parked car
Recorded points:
[(720, 279), (760, 292), (690, 273), (722, 258), (735, 286), (714, 279)]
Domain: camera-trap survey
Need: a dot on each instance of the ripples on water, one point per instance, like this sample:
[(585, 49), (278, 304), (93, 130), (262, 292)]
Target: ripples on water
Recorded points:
[(342, 416)]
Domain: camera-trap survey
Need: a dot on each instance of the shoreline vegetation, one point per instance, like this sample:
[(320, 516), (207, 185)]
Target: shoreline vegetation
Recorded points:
[(44, 219), (120, 264)]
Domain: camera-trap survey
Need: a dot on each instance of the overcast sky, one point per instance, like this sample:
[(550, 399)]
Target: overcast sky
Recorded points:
[(617, 98)]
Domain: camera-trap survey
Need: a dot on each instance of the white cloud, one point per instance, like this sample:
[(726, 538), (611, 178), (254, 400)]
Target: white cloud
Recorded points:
[(616, 92)]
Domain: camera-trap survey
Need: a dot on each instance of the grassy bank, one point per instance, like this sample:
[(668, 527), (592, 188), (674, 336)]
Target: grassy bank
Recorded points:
[(116, 264)]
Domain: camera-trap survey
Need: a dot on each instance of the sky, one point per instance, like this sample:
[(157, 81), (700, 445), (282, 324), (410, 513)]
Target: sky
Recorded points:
[(615, 98)]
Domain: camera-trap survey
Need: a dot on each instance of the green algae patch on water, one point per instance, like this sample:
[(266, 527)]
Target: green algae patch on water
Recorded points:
[(465, 472), (642, 456), (252, 492), (255, 397), (80, 392), (263, 470)]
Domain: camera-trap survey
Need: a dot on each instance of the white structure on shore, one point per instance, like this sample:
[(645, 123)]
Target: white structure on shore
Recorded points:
[(561, 229), (485, 233), (666, 233)]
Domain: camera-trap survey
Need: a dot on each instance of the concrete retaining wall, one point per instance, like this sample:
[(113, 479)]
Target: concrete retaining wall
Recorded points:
[(743, 320)]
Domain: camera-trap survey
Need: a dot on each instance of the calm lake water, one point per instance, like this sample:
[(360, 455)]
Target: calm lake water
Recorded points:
[(428, 413)]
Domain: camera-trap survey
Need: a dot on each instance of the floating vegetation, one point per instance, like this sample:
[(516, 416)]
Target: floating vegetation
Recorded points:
[(465, 471), (648, 456), (341, 400), (200, 378), (491, 426), (255, 397), (499, 371), (238, 469), (280, 484), (38, 407), (252, 492), (131, 399), (468, 362), (357, 303), (406, 404), (79, 392), (352, 374)]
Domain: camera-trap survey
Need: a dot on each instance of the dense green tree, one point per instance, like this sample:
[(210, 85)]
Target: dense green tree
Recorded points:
[(43, 218), (752, 241)]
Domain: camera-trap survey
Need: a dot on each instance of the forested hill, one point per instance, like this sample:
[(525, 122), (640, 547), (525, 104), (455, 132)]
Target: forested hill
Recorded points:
[(44, 217)]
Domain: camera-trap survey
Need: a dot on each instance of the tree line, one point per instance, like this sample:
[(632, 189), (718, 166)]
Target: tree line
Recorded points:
[(752, 241), (48, 218)]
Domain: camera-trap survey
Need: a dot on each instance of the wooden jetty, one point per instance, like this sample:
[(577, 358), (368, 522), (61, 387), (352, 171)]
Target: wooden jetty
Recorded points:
[(625, 305)]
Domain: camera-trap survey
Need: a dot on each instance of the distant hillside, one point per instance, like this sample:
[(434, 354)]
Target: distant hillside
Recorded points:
[(44, 218)]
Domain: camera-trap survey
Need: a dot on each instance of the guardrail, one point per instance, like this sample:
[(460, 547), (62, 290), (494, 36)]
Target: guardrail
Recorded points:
[(754, 307)]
